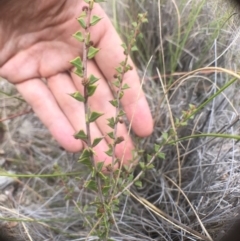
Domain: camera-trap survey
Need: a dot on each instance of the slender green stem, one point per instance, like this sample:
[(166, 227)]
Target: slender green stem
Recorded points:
[(86, 105), (120, 89), (211, 98)]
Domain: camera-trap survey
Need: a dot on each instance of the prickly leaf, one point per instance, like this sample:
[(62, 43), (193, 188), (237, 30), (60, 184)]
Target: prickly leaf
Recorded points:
[(77, 96), (92, 52)]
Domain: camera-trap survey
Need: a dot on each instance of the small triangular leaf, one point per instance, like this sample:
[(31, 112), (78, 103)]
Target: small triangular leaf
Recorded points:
[(130, 177), (156, 147), (111, 135), (119, 140), (109, 152), (77, 62), (94, 116), (122, 63), (82, 22), (134, 24), (134, 48), (165, 135), (125, 86), (140, 36), (79, 72), (111, 122), (144, 20), (142, 165), (85, 158), (100, 166), (79, 36), (86, 162), (119, 70), (129, 67), (149, 157), (92, 79), (95, 19), (105, 189), (114, 102), (138, 183), (83, 14), (161, 155), (91, 89), (92, 52), (121, 113), (96, 141), (81, 135), (121, 94), (151, 166), (117, 83), (91, 184), (124, 46), (77, 96)]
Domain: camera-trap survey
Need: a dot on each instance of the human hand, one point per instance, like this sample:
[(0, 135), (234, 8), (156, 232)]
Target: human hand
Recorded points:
[(36, 43)]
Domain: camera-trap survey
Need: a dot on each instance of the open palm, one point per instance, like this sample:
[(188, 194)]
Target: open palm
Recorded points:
[(35, 51)]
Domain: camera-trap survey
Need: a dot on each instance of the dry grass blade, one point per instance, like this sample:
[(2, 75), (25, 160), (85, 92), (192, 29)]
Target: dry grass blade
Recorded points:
[(165, 93), (191, 206), (168, 218)]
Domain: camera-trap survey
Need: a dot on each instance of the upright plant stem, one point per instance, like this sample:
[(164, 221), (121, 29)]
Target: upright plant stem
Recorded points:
[(120, 89), (86, 107)]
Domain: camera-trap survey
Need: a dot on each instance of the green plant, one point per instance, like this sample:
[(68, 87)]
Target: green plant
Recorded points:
[(106, 185)]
